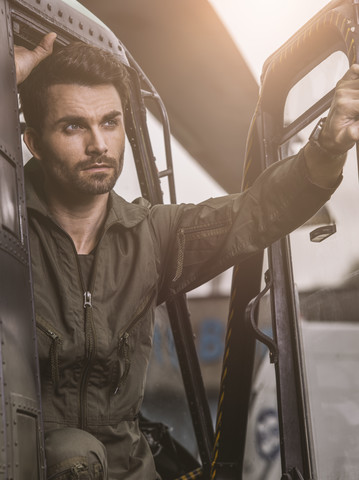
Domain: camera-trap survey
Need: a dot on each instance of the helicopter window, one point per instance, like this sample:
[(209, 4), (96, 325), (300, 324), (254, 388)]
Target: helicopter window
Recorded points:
[(26, 432), (313, 86), (9, 208)]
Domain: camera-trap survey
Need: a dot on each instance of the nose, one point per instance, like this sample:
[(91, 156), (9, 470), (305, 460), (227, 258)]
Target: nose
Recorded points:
[(96, 144)]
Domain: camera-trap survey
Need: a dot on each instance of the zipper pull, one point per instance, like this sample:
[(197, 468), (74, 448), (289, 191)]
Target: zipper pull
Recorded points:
[(53, 335), (124, 339), (87, 300)]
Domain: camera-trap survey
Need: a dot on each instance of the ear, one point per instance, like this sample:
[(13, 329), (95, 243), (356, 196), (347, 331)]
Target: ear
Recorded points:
[(33, 142)]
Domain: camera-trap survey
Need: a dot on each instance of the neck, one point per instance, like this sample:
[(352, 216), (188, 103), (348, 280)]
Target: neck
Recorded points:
[(82, 218)]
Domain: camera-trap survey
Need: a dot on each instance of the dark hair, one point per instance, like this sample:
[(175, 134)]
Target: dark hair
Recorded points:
[(77, 63)]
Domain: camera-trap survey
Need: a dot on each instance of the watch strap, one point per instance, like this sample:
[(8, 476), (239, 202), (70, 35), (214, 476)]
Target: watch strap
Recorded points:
[(314, 140)]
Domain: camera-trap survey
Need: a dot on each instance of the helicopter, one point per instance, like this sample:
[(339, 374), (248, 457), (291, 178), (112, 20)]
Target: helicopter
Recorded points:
[(264, 418)]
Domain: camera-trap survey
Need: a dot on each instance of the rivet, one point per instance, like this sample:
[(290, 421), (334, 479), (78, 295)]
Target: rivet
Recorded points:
[(110, 44), (101, 38), (81, 26), (49, 7), (59, 13), (91, 31), (71, 19)]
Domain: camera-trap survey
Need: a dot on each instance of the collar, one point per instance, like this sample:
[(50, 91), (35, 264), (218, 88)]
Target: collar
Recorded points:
[(119, 210)]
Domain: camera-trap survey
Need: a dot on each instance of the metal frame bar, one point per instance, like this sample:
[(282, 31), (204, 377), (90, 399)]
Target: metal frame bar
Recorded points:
[(296, 443)]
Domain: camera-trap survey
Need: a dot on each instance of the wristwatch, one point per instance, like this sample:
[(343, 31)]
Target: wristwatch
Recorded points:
[(314, 140)]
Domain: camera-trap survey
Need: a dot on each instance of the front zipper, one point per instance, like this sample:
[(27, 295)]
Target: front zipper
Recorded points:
[(90, 347), (123, 348), (90, 337), (56, 341)]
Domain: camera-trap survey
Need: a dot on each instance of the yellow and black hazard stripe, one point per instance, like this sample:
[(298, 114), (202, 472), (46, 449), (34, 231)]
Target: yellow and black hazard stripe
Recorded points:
[(192, 475), (223, 379)]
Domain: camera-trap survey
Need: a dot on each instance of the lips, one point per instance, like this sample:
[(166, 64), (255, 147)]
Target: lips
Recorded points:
[(98, 166), (101, 162)]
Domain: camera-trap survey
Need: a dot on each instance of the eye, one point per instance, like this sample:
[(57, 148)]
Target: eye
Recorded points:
[(114, 122), (73, 127)]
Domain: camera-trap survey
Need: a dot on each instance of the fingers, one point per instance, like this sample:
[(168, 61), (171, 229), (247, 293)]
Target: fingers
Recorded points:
[(45, 47), (26, 60), (346, 98), (353, 132), (341, 129), (352, 73)]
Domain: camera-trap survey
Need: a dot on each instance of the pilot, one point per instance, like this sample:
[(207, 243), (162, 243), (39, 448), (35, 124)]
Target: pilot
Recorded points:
[(101, 265)]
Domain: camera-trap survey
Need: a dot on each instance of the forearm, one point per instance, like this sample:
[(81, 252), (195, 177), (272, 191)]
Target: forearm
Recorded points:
[(323, 170)]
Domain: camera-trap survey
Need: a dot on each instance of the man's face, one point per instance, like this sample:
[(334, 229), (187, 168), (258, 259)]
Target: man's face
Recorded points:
[(82, 143)]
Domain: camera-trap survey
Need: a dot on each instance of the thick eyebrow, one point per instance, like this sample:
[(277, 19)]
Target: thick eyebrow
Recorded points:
[(111, 115), (83, 120)]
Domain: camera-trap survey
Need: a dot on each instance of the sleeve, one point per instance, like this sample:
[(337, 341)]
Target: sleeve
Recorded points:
[(195, 243)]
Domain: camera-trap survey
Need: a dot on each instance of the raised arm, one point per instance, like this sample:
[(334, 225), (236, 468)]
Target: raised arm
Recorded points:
[(26, 60)]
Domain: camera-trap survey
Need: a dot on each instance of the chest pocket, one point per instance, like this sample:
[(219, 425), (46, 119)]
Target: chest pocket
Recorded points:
[(49, 342), (133, 337)]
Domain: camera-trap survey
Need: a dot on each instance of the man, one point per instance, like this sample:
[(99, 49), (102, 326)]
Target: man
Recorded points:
[(100, 265)]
